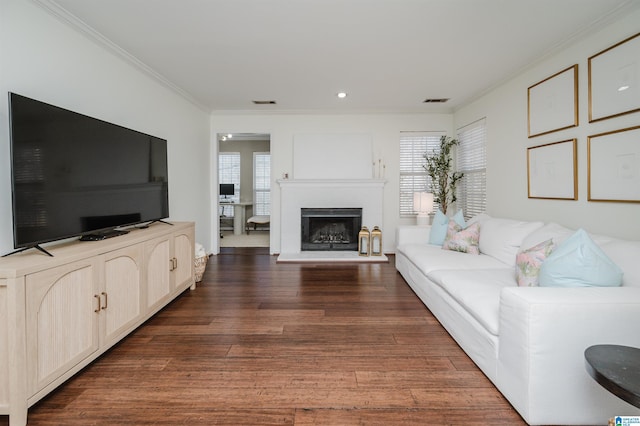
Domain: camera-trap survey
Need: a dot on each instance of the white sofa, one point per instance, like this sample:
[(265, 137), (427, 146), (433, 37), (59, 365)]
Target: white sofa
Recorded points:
[(529, 341)]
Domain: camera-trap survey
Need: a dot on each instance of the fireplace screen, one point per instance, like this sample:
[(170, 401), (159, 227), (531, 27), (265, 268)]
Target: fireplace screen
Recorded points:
[(330, 228)]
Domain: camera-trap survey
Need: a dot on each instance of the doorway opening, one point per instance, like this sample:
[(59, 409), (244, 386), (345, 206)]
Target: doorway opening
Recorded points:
[(244, 193)]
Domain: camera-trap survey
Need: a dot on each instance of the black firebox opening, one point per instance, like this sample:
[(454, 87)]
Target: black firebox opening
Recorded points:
[(330, 228)]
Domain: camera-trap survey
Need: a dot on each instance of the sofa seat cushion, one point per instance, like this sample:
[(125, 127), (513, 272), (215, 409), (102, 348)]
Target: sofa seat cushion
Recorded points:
[(477, 291), (430, 258)]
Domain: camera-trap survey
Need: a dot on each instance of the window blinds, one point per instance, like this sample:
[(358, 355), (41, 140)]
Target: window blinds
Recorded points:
[(261, 184), (472, 161), (229, 172), (413, 176)]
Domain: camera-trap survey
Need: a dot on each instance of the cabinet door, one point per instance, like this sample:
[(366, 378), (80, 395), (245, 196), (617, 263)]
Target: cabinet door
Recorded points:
[(122, 295), (159, 263), (62, 322), (183, 273)]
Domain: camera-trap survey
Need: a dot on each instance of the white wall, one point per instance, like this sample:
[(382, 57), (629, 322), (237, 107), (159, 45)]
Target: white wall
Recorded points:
[(42, 58), (506, 111), (385, 133)]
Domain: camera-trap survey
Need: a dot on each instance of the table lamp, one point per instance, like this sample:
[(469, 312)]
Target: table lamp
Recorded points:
[(423, 205)]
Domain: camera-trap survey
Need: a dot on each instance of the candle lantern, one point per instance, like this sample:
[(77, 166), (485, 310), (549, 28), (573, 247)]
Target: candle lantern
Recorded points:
[(363, 241), (376, 241)]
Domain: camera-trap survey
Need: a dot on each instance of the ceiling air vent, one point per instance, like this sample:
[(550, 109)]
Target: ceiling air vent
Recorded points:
[(264, 102), (435, 100)]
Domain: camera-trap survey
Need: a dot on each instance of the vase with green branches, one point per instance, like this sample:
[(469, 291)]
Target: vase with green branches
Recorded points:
[(443, 179)]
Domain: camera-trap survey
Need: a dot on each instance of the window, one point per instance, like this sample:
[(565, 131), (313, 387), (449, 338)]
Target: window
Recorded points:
[(472, 161), (229, 172), (413, 176), (261, 183)]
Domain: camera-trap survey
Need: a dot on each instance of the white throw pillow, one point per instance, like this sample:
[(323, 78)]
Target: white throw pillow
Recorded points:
[(550, 230), (501, 238), (479, 218)]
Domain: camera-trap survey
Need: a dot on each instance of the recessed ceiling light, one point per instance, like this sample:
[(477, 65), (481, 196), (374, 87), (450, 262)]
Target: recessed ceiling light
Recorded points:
[(342, 95)]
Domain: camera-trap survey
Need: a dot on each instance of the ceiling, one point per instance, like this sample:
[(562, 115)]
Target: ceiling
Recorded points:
[(388, 55)]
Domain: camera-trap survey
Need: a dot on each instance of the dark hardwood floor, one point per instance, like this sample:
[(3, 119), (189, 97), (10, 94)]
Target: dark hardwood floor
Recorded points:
[(261, 343)]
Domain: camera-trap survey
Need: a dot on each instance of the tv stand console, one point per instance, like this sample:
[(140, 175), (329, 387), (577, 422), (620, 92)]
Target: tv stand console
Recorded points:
[(58, 314)]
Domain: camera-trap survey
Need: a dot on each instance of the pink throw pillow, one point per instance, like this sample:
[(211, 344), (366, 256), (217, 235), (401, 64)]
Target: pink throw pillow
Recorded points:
[(529, 261), (463, 240)]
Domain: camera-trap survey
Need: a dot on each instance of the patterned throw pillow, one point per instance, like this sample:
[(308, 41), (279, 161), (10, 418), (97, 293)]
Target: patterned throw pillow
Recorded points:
[(464, 240), (529, 261)]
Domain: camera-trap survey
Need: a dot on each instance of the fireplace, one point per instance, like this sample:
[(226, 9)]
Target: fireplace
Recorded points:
[(330, 229), (296, 194)]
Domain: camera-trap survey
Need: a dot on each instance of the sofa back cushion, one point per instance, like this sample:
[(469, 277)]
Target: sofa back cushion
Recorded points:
[(553, 231), (501, 238), (625, 254)]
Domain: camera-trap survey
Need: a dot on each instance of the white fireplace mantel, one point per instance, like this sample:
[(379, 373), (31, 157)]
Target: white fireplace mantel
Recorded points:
[(331, 183), (296, 194)]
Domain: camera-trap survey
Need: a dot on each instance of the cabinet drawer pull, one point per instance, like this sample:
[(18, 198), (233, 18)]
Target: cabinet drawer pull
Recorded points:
[(171, 268), (99, 303), (106, 300)]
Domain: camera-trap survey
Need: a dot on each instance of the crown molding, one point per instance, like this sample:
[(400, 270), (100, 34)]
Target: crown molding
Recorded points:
[(77, 24)]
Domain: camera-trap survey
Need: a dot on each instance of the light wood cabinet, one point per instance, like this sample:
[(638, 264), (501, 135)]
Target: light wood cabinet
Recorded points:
[(121, 299), (59, 314), (183, 258), (62, 327), (159, 267)]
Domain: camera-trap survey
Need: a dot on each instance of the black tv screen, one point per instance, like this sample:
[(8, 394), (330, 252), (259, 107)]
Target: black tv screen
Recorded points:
[(75, 175)]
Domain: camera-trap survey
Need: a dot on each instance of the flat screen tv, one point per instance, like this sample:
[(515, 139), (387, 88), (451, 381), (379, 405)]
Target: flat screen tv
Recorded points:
[(74, 175)]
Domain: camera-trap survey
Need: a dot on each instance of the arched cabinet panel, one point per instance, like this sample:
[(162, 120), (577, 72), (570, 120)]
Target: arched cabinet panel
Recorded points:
[(61, 322), (159, 266), (122, 296)]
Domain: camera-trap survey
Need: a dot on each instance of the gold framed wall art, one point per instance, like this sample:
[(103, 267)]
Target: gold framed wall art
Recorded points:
[(552, 171), (552, 104), (613, 166), (614, 80)]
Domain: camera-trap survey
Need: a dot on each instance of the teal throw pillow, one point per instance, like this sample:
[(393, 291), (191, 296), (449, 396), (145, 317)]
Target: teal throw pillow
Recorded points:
[(579, 262), (440, 224)]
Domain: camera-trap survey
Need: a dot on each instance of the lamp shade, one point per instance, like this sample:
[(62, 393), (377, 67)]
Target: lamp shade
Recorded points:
[(423, 202)]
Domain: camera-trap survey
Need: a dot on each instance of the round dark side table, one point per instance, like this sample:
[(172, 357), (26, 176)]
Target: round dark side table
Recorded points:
[(617, 369)]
